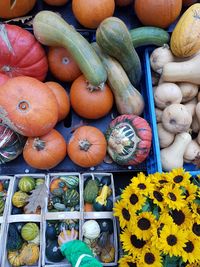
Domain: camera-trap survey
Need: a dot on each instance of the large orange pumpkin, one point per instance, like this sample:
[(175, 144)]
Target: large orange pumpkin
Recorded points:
[(28, 106), (160, 13), (45, 152), (12, 9), (3, 78), (61, 64), (87, 146), (62, 99), (88, 103), (56, 2), (90, 13)]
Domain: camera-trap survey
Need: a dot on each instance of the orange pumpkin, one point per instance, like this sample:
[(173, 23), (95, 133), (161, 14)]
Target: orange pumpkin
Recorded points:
[(1, 187), (55, 184), (3, 78), (160, 13), (56, 2), (189, 2), (62, 99), (90, 13), (28, 106), (62, 65), (45, 152), (12, 9), (123, 2), (87, 146), (90, 103)]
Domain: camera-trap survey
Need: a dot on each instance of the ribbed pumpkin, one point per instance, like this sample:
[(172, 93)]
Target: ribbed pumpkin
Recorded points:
[(160, 13), (28, 106), (19, 199), (30, 254), (29, 231), (12, 9), (26, 184), (185, 39), (14, 258)]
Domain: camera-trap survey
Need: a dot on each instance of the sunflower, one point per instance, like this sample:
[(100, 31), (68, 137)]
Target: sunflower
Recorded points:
[(196, 211), (191, 252), (128, 261), (182, 218), (135, 201), (172, 240), (151, 257), (143, 225), (159, 179), (122, 211), (130, 242), (179, 177), (173, 196), (195, 229), (142, 184), (163, 220), (190, 192), (157, 198), (196, 264)]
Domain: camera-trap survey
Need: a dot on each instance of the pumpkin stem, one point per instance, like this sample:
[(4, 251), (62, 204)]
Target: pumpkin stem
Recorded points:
[(38, 144), (84, 145), (92, 88)]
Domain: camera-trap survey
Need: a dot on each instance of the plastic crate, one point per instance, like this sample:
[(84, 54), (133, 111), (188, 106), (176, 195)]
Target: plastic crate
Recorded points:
[(187, 166)]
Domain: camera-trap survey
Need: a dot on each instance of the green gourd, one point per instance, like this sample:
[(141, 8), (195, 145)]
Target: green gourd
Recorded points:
[(14, 240), (90, 191), (71, 181), (2, 205), (29, 231), (114, 38), (53, 252), (26, 184), (71, 198), (52, 30), (19, 199)]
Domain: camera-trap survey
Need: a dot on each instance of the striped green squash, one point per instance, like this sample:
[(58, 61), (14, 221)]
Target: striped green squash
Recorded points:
[(30, 231), (26, 184), (71, 181), (2, 205), (71, 198)]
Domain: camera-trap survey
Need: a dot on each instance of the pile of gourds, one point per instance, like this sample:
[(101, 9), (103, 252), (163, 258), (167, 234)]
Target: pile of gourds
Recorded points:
[(4, 184)]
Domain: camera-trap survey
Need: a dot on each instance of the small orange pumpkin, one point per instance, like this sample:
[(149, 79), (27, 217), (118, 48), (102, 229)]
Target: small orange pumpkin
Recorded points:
[(28, 106), (56, 2), (62, 65), (90, 13), (12, 9), (62, 99), (45, 152), (90, 103), (87, 146)]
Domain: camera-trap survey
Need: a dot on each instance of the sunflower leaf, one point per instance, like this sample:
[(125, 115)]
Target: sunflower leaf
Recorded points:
[(156, 211), (170, 261), (146, 207)]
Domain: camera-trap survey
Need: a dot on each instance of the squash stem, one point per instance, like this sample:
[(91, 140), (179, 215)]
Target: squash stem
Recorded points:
[(38, 144), (84, 145), (92, 88)]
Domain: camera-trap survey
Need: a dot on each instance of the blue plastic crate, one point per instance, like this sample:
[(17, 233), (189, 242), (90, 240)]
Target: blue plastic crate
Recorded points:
[(187, 166)]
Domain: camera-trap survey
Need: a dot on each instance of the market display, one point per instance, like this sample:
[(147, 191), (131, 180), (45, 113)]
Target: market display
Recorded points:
[(89, 88)]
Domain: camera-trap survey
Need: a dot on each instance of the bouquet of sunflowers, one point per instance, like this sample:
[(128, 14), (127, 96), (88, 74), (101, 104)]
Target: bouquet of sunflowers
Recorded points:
[(159, 217)]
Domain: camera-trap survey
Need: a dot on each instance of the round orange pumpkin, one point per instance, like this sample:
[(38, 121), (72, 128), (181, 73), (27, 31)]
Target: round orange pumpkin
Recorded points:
[(28, 106), (90, 103), (45, 152), (87, 146), (61, 64), (12, 9), (90, 13), (62, 99), (56, 2), (123, 2), (3, 78), (160, 13)]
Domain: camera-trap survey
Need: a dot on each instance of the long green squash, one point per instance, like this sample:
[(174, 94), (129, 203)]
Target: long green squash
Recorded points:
[(114, 38), (50, 29), (128, 100)]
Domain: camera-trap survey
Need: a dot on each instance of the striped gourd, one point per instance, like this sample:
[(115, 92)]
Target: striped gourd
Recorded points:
[(30, 231), (71, 198), (70, 181), (26, 184), (2, 205), (19, 199)]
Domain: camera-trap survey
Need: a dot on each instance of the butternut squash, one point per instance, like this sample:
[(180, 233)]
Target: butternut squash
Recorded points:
[(165, 138), (191, 151)]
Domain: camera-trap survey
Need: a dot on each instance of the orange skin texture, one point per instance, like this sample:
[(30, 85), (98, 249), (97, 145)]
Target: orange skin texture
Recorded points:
[(3, 78), (90, 104), (90, 13), (62, 65)]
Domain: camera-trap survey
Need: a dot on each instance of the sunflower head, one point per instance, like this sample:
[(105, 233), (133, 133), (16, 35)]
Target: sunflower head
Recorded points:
[(181, 218), (179, 177), (195, 227), (191, 251), (195, 207), (128, 261), (190, 192), (142, 184), (151, 257), (122, 211), (159, 179)]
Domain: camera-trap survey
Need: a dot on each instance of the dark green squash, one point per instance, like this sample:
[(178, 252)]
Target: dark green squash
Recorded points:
[(90, 191), (106, 225), (106, 180), (51, 232), (71, 198), (14, 240), (109, 205), (53, 252), (16, 210)]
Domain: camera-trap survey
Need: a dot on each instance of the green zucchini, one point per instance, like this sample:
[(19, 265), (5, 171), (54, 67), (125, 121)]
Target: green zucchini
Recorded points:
[(50, 29), (114, 38), (127, 98), (148, 35)]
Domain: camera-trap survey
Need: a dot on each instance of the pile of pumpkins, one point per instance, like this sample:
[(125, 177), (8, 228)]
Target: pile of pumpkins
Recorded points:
[(23, 244), (4, 184), (176, 93), (20, 198), (64, 194)]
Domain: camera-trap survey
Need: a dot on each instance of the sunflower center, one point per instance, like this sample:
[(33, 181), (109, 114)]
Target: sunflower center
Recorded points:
[(158, 196), (144, 224), (133, 199), (162, 181), (131, 264), (178, 217), (137, 243), (126, 214), (178, 179), (196, 229), (142, 186), (149, 258), (172, 196), (189, 247), (171, 240)]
